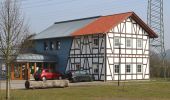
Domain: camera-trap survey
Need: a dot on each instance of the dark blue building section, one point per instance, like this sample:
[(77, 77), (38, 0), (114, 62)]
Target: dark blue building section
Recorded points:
[(62, 53)]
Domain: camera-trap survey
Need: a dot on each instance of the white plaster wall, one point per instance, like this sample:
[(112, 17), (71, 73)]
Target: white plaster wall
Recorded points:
[(133, 55)]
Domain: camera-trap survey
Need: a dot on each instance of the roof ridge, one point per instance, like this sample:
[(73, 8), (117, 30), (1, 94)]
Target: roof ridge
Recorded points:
[(76, 19), (118, 14)]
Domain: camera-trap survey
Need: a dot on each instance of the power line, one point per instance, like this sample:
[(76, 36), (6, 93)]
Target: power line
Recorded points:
[(94, 8), (40, 3), (26, 2), (47, 4), (64, 9), (89, 9)]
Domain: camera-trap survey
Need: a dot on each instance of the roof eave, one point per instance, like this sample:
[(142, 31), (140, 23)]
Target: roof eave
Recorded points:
[(151, 33)]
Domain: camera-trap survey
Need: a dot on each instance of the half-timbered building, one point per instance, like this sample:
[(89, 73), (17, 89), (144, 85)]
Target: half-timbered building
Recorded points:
[(112, 47), (108, 47)]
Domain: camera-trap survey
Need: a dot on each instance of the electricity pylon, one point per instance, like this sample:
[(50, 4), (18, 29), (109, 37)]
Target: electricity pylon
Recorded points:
[(156, 22)]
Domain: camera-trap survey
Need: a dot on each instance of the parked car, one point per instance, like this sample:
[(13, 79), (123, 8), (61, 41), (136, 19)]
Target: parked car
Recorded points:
[(78, 76), (44, 74)]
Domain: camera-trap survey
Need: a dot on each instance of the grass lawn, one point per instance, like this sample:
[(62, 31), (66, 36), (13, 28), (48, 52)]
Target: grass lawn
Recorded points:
[(151, 90)]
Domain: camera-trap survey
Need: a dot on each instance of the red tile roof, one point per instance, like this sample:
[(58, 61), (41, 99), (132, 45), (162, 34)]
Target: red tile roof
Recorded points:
[(105, 23)]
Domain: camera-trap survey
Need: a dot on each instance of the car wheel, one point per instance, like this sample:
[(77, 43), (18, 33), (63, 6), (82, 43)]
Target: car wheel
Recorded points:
[(74, 80), (44, 78)]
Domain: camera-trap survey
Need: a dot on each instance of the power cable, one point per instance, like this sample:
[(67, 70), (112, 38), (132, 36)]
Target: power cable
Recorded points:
[(90, 9), (48, 4), (93, 6)]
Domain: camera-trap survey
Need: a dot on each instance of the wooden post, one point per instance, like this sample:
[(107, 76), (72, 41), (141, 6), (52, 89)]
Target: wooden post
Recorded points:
[(28, 71), (12, 72), (20, 67), (35, 66), (42, 65), (49, 65)]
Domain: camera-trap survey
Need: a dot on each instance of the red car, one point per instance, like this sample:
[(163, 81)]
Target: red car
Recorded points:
[(44, 74)]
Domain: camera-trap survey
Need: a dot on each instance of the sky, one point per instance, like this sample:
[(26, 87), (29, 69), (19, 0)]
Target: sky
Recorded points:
[(40, 14)]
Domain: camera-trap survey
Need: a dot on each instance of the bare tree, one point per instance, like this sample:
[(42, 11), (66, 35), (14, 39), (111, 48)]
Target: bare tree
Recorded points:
[(13, 31)]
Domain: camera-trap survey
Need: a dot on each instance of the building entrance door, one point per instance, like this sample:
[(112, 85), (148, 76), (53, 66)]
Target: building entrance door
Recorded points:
[(19, 72)]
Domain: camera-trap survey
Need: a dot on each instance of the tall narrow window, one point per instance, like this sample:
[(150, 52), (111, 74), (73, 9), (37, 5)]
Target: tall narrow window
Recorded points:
[(45, 46), (51, 46), (78, 66), (128, 68), (128, 42), (139, 43), (96, 68), (116, 42), (96, 41), (57, 45), (116, 69), (139, 68)]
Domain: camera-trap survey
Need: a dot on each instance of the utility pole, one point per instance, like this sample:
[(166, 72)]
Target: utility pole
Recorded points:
[(155, 21), (119, 71), (119, 66)]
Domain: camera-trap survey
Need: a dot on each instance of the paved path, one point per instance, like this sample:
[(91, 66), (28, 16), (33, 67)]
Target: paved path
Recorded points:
[(15, 84), (20, 84)]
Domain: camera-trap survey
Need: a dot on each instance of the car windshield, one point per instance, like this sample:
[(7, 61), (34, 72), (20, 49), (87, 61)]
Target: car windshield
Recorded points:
[(79, 72), (83, 72), (52, 71)]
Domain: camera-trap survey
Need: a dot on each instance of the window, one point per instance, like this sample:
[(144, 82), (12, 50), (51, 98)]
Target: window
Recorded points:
[(57, 45), (3, 69), (96, 42), (77, 66), (96, 71), (45, 46), (139, 43), (139, 68), (128, 42), (96, 68), (116, 42), (51, 46), (128, 68), (116, 69)]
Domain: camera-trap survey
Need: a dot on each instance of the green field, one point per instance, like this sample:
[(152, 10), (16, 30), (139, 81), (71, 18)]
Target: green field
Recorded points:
[(150, 90)]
